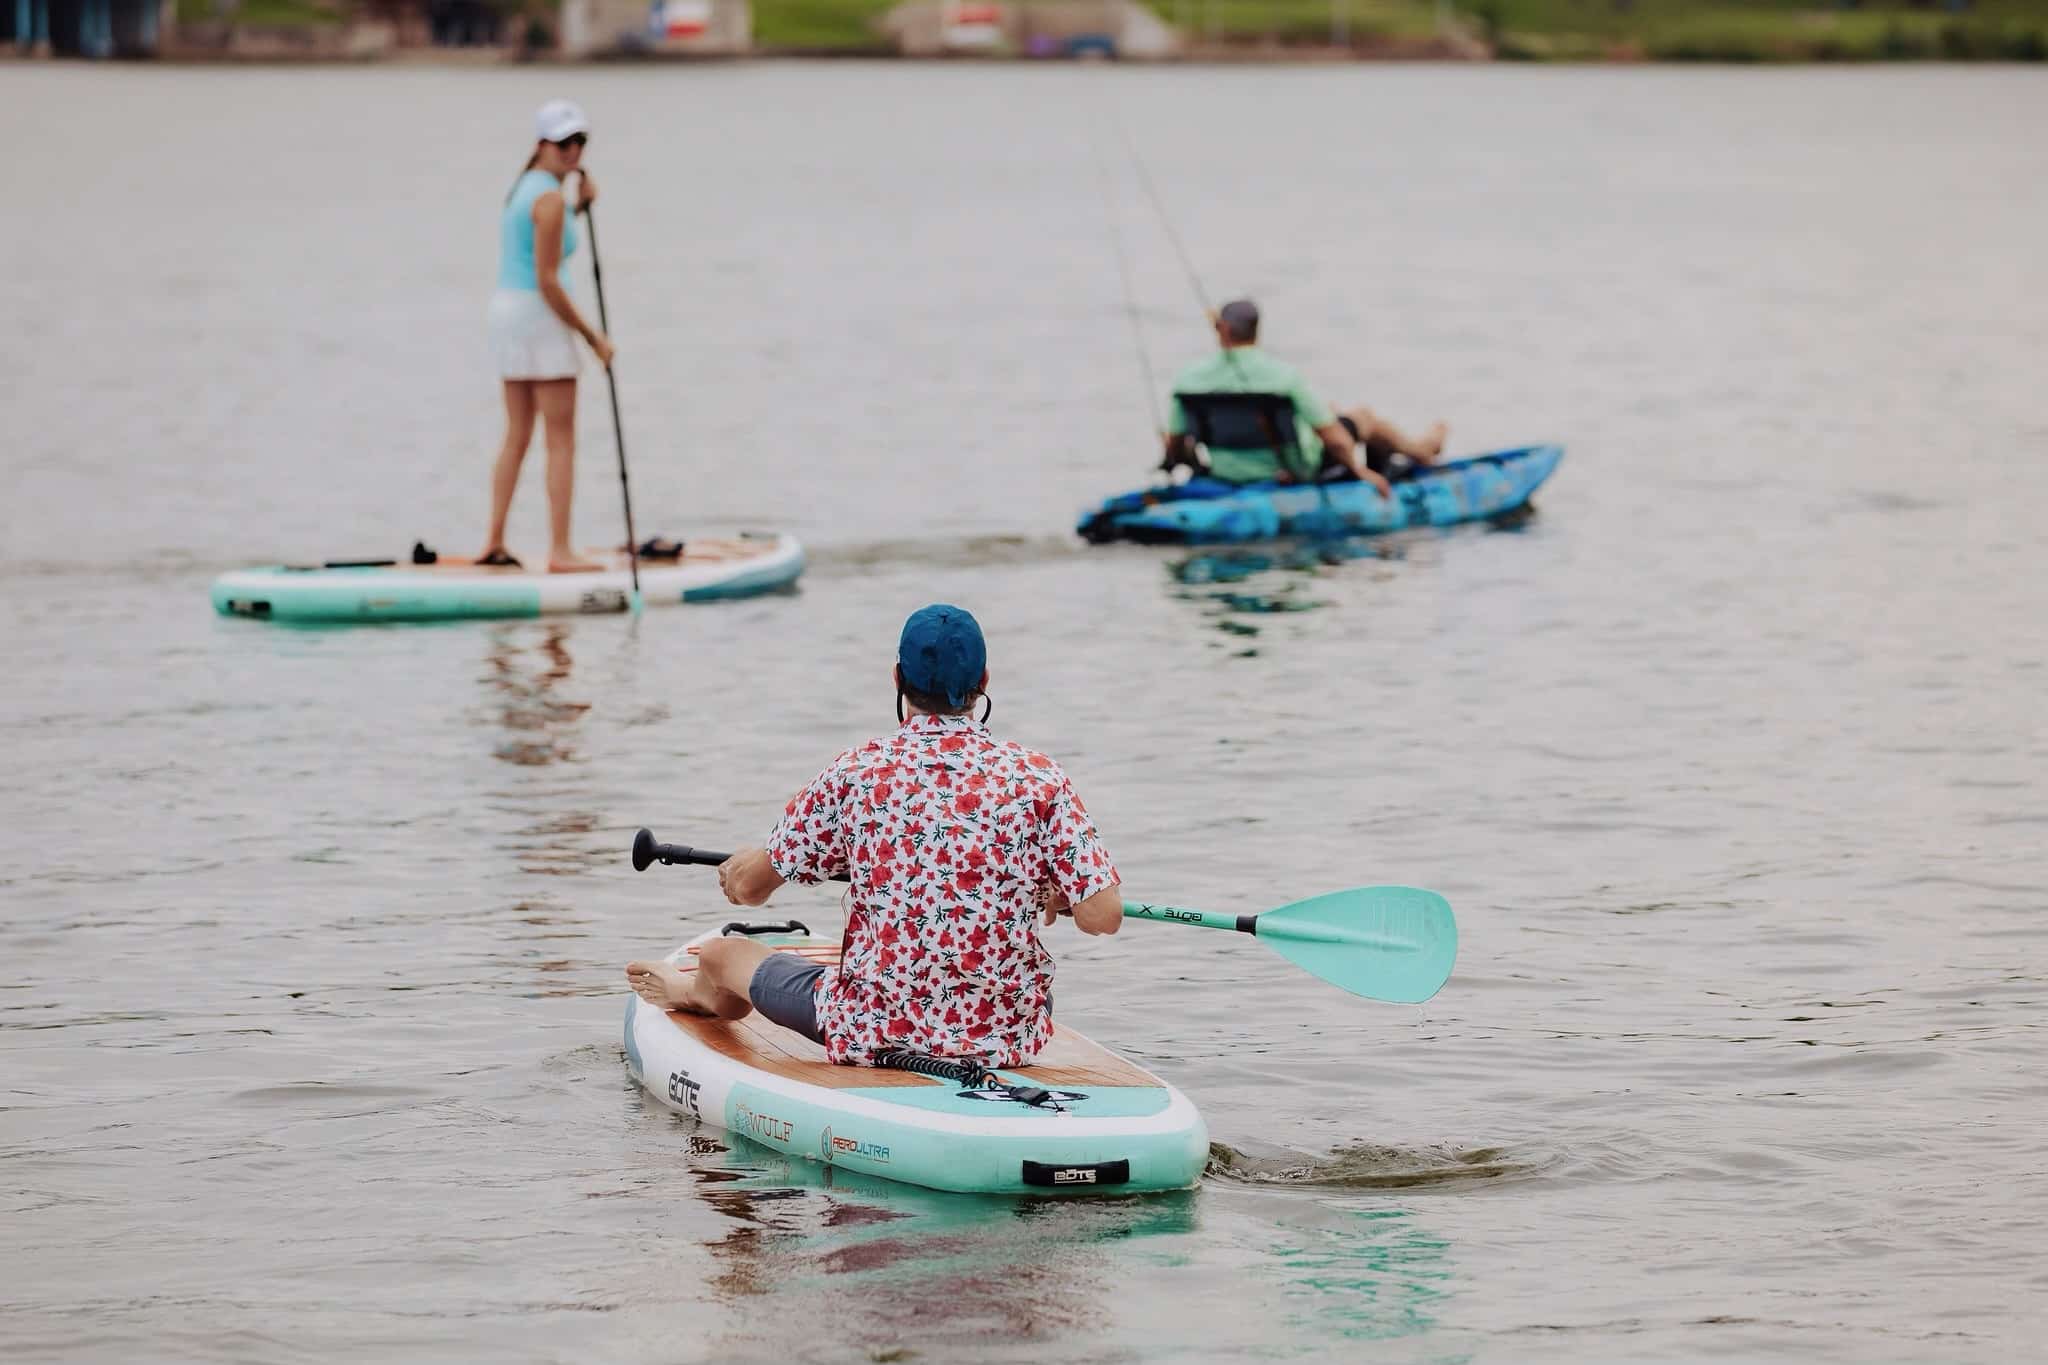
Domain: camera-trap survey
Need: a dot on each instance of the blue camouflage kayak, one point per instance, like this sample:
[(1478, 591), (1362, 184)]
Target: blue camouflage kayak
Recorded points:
[(1209, 511)]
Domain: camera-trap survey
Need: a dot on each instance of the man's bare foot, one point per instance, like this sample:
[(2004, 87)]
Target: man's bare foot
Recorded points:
[(659, 984), (1433, 441), (572, 563)]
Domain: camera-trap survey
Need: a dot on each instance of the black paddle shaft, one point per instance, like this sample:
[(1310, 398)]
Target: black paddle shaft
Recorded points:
[(647, 851), (618, 427)]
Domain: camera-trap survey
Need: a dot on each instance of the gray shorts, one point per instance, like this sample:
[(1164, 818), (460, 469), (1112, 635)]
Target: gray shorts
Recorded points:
[(785, 988)]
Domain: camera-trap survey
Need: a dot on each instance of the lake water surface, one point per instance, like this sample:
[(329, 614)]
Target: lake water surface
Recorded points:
[(1730, 758)]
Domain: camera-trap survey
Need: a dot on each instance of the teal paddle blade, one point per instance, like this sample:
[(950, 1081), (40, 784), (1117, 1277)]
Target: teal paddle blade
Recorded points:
[(1394, 943)]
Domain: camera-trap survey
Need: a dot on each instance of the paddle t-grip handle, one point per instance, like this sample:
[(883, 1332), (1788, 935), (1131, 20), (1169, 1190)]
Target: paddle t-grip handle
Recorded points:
[(647, 851)]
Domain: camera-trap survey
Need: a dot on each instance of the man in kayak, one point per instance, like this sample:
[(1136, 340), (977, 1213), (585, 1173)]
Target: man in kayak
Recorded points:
[(1355, 443), (954, 842)]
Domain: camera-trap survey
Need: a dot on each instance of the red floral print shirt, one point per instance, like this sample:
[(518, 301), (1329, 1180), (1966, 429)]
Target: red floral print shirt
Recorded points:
[(949, 836)]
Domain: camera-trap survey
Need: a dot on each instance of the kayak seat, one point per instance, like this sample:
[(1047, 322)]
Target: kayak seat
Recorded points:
[(1244, 421)]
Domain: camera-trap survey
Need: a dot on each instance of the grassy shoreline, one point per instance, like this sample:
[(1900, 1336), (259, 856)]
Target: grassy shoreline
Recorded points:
[(1597, 31), (1520, 30), (1672, 30)]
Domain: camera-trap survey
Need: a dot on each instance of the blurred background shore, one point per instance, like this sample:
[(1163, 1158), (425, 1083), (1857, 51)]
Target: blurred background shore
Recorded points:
[(1163, 30)]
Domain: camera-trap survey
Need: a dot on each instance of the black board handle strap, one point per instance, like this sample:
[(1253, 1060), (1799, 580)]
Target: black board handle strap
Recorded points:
[(788, 926)]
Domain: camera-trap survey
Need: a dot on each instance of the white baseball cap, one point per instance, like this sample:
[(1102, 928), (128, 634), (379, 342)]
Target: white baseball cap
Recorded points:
[(559, 119)]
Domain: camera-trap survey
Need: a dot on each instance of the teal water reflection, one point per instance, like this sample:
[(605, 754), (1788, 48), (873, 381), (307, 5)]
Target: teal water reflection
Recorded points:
[(895, 1269), (1230, 588), (1231, 584), (1372, 1275)]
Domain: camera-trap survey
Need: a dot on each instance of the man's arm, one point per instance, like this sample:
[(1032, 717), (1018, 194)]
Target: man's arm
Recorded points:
[(1179, 449), (1077, 865), (1336, 438), (807, 844)]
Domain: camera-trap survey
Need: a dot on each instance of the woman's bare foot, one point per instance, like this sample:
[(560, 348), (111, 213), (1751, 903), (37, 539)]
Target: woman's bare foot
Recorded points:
[(568, 561), (659, 984)]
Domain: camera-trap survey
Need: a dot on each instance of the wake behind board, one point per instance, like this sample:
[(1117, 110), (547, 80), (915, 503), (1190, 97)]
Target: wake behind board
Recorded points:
[(1117, 1128), (708, 570)]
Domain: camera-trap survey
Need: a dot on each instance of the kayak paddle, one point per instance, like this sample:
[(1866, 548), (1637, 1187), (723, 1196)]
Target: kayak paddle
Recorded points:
[(618, 428), (1393, 943)]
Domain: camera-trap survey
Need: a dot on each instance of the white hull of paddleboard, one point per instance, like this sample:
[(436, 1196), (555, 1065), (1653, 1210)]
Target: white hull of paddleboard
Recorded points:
[(709, 571)]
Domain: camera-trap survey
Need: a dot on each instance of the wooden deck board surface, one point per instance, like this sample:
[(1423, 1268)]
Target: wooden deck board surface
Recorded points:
[(706, 551), (1070, 1059)]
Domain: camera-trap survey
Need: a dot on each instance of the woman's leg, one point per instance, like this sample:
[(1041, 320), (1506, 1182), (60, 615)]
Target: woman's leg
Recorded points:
[(557, 399), (519, 410)]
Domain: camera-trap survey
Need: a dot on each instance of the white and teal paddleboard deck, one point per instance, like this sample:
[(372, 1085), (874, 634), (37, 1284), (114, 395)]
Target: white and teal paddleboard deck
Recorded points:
[(1107, 1125), (707, 571)]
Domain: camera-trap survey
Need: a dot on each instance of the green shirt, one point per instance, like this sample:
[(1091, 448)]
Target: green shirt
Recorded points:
[(1247, 369)]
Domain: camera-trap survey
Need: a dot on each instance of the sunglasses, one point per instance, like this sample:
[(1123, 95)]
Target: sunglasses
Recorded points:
[(573, 140)]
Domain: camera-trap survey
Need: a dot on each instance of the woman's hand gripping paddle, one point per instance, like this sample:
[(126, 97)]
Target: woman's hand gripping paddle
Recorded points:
[(1393, 943)]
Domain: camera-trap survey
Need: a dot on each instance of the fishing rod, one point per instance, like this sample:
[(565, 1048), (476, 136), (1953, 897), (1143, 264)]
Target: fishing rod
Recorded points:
[(1194, 280), (1123, 269), (1180, 248)]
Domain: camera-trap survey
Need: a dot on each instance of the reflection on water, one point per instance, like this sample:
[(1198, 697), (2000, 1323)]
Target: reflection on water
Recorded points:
[(527, 666), (1229, 585), (805, 1244), (1366, 1275), (542, 724), (1287, 574), (856, 1250), (1304, 557)]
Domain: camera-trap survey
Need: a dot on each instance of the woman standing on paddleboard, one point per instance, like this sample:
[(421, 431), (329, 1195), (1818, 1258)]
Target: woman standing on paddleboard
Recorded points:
[(534, 325)]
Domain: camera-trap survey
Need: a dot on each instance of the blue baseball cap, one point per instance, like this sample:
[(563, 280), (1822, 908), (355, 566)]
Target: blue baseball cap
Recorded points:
[(942, 653)]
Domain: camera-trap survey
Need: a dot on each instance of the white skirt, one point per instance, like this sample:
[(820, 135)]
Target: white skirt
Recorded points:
[(527, 340)]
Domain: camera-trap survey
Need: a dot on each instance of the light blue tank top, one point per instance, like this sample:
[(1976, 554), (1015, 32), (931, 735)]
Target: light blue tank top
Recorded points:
[(515, 232)]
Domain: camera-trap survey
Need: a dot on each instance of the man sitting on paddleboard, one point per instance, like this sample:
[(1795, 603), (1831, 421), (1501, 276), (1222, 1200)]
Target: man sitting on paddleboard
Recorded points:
[(1356, 442), (954, 841)]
